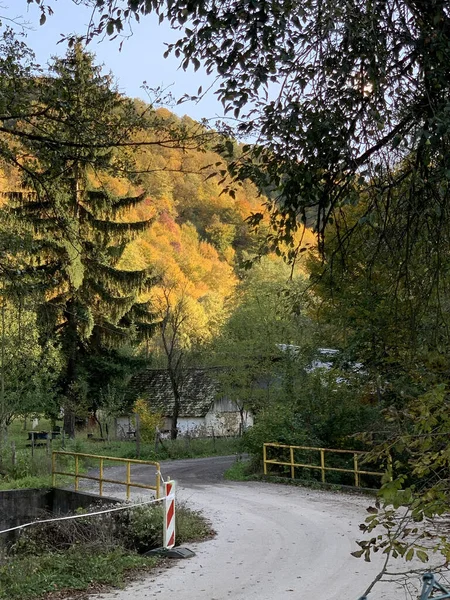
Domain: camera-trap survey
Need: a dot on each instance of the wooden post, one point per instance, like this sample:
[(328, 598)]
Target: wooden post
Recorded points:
[(291, 451), (13, 454), (138, 436), (76, 473), (53, 469)]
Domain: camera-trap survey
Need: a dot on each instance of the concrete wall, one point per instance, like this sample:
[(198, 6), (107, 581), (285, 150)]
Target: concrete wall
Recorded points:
[(66, 502), (24, 506)]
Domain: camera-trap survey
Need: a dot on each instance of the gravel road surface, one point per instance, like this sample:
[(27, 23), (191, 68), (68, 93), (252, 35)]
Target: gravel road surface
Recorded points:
[(273, 542)]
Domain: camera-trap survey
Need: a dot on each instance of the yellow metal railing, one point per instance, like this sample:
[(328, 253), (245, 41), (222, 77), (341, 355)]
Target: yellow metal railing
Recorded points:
[(101, 478), (322, 466)]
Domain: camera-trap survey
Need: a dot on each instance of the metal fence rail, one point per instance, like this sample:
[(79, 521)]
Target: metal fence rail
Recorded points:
[(101, 478), (356, 470)]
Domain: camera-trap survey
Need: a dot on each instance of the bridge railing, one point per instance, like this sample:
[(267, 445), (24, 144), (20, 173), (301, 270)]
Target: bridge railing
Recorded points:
[(320, 464), (78, 474)]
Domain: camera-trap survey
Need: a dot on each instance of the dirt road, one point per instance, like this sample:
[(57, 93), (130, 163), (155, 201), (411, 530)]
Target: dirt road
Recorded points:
[(273, 542)]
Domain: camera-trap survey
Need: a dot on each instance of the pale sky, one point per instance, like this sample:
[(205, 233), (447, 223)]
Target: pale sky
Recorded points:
[(141, 58)]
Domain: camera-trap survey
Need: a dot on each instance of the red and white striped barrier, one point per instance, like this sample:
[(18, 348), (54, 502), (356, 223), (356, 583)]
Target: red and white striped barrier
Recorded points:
[(169, 514)]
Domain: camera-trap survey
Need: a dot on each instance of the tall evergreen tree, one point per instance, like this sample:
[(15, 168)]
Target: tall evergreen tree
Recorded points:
[(87, 301)]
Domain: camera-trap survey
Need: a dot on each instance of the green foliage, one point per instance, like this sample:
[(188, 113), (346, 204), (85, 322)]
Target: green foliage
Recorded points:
[(332, 408), (240, 470), (385, 304), (416, 493), (25, 466), (27, 482), (262, 321), (140, 528), (31, 576), (149, 422), (191, 525), (28, 371), (278, 423), (317, 409)]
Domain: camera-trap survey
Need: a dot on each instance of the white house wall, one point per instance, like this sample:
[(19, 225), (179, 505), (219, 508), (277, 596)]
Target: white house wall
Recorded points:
[(190, 425), (226, 423)]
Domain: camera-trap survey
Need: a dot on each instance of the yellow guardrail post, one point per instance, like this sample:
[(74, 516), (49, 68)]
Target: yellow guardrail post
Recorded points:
[(158, 482), (355, 465), (322, 464), (292, 462), (265, 459), (128, 479)]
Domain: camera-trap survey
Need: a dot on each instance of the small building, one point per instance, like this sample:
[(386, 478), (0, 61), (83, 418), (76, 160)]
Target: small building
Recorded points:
[(204, 411)]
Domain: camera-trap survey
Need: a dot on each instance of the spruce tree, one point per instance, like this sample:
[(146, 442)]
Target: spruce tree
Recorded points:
[(86, 301)]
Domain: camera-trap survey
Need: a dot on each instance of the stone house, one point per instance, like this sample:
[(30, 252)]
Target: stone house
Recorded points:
[(204, 411)]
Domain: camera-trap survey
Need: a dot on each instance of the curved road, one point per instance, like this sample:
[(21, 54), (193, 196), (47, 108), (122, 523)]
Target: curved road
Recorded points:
[(273, 542)]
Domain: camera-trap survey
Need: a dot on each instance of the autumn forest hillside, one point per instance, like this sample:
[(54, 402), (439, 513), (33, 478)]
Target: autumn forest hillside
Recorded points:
[(198, 234), (122, 243)]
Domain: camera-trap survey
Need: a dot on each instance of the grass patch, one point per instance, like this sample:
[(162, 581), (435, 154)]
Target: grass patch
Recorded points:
[(31, 576), (191, 526), (241, 470), (184, 447), (29, 481), (168, 449)]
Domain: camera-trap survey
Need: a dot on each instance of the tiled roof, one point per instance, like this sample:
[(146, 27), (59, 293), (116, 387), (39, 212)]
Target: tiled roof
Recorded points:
[(198, 391)]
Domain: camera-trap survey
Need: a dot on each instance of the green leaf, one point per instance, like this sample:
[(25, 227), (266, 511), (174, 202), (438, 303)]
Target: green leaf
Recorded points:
[(422, 556)]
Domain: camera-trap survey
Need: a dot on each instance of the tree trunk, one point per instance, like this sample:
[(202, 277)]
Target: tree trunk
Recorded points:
[(70, 350), (175, 413)]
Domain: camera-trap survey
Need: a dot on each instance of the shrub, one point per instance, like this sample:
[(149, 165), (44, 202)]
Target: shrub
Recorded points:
[(279, 424), (149, 421)]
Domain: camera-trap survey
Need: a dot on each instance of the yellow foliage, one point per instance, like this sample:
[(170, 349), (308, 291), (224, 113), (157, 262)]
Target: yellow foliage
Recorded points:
[(149, 421)]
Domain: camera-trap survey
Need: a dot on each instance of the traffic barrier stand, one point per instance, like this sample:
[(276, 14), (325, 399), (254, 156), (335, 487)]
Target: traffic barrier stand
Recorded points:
[(169, 514), (168, 549)]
